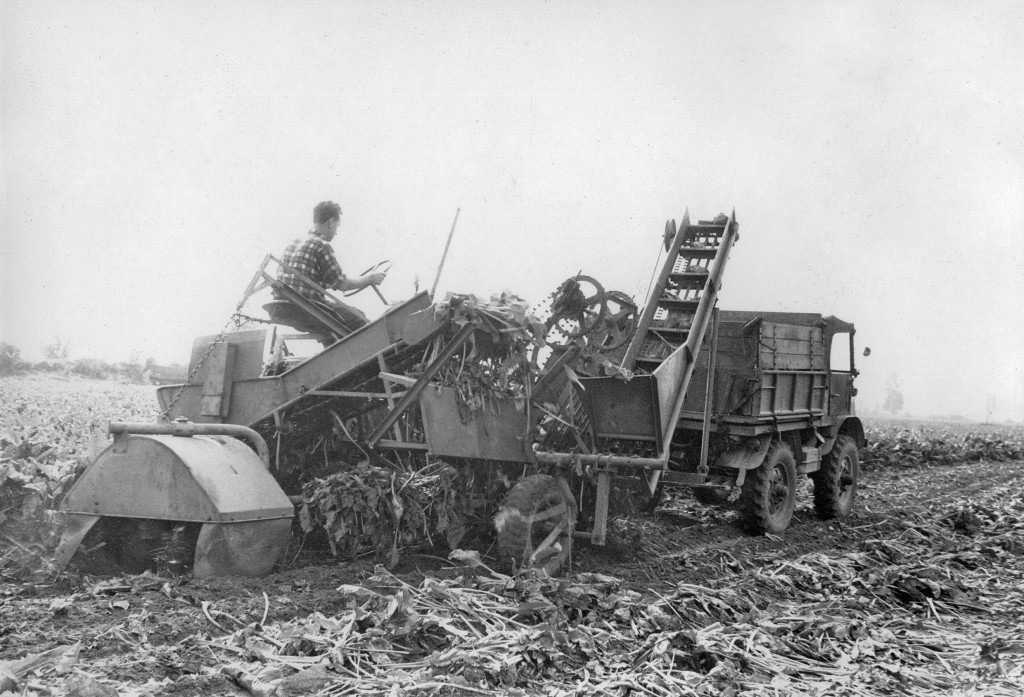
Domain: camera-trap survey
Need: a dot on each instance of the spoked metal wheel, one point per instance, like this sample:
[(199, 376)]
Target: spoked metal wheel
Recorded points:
[(535, 524), (577, 308), (619, 321), (769, 492)]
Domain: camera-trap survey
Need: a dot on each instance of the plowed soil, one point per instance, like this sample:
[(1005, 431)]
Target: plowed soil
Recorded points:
[(139, 630)]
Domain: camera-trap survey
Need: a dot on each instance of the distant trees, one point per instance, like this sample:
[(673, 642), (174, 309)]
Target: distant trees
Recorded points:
[(893, 401), (59, 350), (893, 396), (10, 359), (56, 360)]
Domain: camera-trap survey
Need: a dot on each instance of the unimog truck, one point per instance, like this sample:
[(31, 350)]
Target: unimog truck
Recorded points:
[(543, 414), (779, 405)]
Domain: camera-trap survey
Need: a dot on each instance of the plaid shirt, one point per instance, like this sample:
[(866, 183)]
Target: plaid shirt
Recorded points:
[(314, 258)]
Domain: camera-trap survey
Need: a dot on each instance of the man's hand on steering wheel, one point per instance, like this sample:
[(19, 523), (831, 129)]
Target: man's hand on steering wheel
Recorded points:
[(371, 278)]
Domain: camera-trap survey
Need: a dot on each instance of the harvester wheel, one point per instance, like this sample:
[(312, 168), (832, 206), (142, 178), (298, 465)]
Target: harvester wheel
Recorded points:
[(535, 524), (578, 308), (835, 484), (619, 322), (769, 492)]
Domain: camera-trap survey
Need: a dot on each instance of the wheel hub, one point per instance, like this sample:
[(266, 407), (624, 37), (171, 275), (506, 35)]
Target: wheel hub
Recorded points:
[(779, 490)]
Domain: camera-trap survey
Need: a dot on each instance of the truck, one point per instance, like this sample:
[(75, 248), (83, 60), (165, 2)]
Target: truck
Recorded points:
[(573, 397)]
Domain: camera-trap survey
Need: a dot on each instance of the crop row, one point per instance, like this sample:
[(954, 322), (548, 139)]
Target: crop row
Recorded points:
[(914, 444)]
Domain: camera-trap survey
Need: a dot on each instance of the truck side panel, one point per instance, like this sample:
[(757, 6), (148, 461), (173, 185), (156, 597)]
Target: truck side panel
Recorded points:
[(765, 370), (791, 347)]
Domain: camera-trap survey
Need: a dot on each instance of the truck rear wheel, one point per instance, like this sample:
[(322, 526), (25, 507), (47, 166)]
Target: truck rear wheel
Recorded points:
[(835, 484), (769, 492), (535, 524)]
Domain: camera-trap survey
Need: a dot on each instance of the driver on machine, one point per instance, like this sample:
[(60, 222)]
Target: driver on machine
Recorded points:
[(313, 258), (309, 267)]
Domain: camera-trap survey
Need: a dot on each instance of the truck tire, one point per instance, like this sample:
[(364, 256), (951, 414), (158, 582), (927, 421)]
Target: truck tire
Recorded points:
[(835, 484), (769, 492), (522, 527)]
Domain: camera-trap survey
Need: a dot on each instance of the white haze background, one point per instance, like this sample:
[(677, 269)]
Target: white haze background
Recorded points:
[(153, 152)]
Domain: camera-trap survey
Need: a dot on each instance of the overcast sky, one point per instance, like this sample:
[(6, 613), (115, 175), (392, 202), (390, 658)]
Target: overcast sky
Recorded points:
[(154, 152)]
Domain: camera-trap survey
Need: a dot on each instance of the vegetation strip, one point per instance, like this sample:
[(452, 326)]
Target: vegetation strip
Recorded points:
[(925, 602)]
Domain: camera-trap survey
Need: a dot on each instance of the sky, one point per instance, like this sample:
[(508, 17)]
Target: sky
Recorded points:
[(153, 152)]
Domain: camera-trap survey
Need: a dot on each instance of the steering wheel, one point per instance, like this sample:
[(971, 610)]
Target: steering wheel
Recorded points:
[(373, 269)]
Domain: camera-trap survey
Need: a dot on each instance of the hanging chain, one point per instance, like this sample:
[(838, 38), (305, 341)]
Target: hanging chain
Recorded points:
[(233, 322)]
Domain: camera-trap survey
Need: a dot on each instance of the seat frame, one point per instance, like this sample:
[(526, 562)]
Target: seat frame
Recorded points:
[(318, 319)]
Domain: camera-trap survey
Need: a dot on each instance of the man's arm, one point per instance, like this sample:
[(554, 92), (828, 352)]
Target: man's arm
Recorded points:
[(335, 279), (371, 279)]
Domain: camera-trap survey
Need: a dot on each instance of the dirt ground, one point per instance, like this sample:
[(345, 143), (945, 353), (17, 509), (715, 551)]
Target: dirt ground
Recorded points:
[(138, 631)]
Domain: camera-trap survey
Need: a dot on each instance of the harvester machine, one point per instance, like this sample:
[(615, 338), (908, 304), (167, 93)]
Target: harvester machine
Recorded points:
[(588, 387)]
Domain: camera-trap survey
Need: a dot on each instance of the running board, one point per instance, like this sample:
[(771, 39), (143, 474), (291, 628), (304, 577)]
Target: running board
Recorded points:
[(683, 478)]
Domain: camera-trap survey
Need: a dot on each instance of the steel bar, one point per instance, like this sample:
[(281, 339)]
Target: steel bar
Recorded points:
[(445, 254), (626, 461), (187, 428), (421, 384), (604, 486), (401, 445), (382, 364), (339, 393), (709, 394)]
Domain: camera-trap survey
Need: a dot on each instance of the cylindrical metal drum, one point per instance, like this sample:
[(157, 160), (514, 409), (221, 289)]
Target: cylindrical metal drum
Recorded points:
[(214, 480)]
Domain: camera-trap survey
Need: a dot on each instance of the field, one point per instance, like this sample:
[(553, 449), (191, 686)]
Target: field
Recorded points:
[(920, 591)]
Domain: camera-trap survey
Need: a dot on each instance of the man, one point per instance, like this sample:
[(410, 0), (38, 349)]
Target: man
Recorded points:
[(312, 259)]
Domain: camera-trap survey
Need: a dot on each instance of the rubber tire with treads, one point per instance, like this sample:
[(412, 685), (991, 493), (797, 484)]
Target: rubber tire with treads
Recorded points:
[(769, 492), (518, 535), (835, 484)]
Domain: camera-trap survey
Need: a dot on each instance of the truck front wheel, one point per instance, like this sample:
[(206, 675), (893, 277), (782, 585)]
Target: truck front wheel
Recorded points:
[(835, 484), (769, 492)]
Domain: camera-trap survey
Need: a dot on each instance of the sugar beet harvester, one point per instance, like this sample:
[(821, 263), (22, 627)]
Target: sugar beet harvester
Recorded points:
[(675, 392)]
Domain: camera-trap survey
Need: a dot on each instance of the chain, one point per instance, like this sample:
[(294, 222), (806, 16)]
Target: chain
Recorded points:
[(233, 320)]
